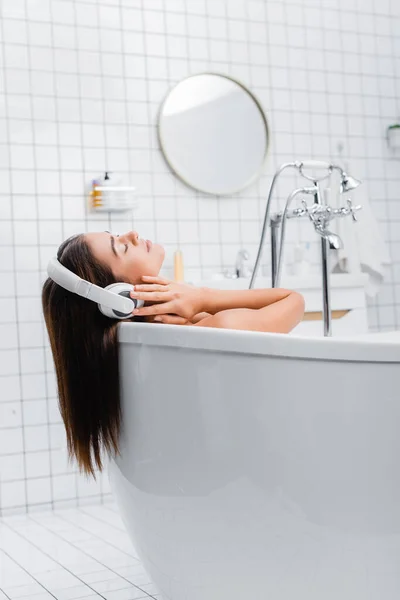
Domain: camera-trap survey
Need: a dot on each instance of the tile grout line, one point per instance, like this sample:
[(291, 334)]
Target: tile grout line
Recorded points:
[(16, 532), (27, 572), (85, 552)]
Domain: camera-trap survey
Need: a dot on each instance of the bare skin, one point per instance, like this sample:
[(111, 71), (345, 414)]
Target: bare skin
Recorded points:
[(133, 256), (139, 262)]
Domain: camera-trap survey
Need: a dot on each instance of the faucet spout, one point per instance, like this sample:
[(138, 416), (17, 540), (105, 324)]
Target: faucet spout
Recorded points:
[(335, 242)]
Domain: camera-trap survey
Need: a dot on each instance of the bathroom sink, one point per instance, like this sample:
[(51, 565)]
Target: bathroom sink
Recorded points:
[(341, 280)]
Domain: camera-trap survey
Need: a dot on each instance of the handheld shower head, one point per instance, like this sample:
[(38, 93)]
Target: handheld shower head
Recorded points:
[(348, 183)]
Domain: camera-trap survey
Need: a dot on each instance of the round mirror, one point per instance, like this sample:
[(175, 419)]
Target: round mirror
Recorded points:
[(213, 133)]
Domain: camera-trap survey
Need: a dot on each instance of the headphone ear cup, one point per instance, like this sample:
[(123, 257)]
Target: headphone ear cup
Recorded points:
[(122, 289)]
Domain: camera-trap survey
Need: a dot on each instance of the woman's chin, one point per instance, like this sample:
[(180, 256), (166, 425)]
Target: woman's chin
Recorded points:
[(160, 251), (157, 254)]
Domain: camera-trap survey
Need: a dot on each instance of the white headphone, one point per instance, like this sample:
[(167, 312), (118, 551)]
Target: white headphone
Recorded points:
[(113, 301)]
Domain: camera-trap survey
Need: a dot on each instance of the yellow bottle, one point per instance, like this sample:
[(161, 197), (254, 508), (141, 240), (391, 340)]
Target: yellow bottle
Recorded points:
[(178, 266), (95, 195)]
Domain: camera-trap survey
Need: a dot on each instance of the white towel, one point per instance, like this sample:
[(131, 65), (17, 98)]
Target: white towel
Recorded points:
[(364, 247)]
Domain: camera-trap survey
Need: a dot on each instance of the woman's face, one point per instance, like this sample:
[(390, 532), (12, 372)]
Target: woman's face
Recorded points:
[(128, 256)]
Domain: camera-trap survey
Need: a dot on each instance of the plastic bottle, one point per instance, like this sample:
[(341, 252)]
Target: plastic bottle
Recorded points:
[(178, 266), (96, 198)]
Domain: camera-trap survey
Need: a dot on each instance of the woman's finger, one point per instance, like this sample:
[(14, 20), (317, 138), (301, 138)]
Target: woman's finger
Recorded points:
[(154, 296), (154, 309), (171, 320), (150, 278), (152, 287)]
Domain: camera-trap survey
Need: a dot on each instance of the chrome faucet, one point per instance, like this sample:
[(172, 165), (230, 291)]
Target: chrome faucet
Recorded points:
[(241, 268), (335, 242), (241, 265), (319, 213)]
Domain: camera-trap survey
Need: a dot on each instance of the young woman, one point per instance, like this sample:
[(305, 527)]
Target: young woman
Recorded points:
[(84, 341)]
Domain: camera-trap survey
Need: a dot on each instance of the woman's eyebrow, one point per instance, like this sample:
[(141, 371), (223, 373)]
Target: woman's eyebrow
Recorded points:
[(112, 244)]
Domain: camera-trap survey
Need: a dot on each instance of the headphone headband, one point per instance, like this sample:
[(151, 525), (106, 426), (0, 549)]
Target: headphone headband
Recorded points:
[(70, 281)]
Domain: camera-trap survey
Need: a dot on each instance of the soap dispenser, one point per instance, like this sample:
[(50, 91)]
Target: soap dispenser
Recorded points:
[(110, 197)]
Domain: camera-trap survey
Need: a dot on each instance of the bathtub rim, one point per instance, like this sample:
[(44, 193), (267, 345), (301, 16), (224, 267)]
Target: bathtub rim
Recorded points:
[(363, 348)]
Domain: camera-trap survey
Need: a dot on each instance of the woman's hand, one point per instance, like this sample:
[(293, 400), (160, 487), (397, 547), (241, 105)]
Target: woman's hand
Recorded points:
[(171, 298), (168, 319)]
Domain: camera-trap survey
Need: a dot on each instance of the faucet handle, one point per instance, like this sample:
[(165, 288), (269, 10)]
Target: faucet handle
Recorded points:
[(307, 210), (313, 211), (353, 209)]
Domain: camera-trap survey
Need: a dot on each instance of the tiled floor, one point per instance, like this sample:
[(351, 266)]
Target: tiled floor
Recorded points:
[(68, 554)]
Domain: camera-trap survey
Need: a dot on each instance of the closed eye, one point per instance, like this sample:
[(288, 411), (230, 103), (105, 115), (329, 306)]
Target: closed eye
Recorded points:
[(113, 244)]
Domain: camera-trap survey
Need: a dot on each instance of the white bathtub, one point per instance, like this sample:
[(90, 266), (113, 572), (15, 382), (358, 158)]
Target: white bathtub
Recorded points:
[(261, 466)]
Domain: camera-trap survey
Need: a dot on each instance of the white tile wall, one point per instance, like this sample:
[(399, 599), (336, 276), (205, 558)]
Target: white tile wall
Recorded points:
[(80, 86)]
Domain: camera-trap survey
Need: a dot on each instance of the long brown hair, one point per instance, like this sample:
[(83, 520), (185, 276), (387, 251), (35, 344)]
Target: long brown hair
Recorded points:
[(85, 352)]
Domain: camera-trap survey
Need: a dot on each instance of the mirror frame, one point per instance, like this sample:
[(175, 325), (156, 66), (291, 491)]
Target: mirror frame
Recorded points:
[(261, 168)]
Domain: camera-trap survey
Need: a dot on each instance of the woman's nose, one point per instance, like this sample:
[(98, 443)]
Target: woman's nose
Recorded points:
[(133, 237)]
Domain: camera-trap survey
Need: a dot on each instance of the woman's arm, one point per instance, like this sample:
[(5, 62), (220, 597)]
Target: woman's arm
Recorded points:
[(215, 301), (199, 317), (273, 309), (280, 316), (163, 296)]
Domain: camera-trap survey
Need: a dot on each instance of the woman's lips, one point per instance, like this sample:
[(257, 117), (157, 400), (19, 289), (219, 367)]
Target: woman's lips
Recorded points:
[(149, 245)]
